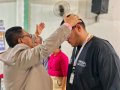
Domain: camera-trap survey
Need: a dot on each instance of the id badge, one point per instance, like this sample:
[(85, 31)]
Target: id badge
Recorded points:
[(71, 78)]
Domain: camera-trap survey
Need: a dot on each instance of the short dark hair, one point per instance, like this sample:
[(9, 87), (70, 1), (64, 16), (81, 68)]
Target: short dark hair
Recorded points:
[(63, 20), (81, 22), (12, 35)]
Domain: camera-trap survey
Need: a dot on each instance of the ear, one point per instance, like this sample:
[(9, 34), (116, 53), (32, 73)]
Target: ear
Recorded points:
[(19, 40), (79, 27)]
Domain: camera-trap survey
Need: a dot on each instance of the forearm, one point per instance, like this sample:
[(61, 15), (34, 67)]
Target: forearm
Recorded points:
[(31, 57), (64, 83), (55, 40)]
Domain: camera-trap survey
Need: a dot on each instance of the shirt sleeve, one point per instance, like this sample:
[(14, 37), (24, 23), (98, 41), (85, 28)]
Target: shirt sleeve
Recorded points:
[(109, 71), (68, 25), (31, 57)]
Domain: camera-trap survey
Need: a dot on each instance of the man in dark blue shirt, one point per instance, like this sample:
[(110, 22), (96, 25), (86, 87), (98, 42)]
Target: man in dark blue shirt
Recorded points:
[(94, 63)]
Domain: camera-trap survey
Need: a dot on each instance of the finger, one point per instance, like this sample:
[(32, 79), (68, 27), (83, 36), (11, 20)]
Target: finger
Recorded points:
[(42, 25), (65, 18)]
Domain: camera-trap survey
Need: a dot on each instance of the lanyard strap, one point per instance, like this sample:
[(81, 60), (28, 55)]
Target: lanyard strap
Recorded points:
[(75, 62)]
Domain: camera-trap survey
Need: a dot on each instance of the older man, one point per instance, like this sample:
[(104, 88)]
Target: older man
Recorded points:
[(22, 70)]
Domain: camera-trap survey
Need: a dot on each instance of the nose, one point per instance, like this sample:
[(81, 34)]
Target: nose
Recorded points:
[(68, 37)]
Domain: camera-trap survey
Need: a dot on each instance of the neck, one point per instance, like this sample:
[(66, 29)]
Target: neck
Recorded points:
[(56, 52), (84, 37)]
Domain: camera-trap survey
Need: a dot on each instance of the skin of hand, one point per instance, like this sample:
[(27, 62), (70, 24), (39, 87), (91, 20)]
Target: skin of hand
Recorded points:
[(39, 28), (72, 19), (64, 83)]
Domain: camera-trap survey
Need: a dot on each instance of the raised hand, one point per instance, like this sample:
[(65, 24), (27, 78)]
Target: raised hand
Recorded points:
[(72, 19), (39, 28)]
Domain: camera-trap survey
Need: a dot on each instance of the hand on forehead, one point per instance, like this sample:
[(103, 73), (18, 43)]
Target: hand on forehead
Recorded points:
[(74, 15), (71, 19)]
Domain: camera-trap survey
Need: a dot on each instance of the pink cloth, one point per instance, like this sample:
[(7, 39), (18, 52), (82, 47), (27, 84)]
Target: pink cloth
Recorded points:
[(1, 75), (68, 25), (58, 65)]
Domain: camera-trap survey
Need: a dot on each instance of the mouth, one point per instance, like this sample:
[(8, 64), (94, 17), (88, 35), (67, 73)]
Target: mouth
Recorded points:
[(70, 43)]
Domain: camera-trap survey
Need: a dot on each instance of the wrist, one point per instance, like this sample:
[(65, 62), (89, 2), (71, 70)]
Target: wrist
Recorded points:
[(68, 25)]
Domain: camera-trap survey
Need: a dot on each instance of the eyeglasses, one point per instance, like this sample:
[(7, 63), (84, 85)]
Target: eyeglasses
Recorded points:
[(27, 35)]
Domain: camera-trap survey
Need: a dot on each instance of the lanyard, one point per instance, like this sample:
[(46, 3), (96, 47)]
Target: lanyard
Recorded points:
[(75, 62)]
